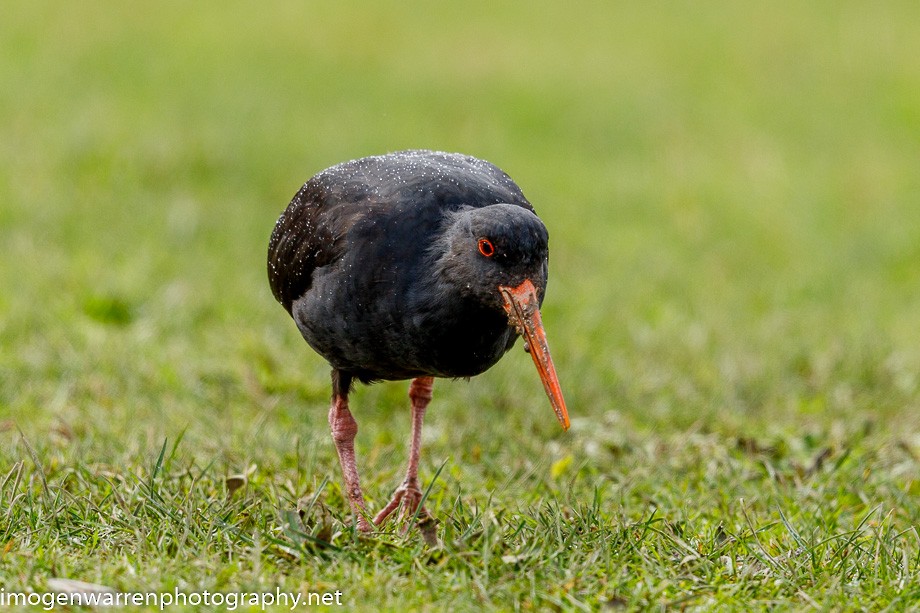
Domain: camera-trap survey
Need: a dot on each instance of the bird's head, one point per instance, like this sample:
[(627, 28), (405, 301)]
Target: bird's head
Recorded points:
[(498, 255)]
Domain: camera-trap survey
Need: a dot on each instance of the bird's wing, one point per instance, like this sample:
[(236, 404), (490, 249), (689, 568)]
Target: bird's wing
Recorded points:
[(307, 236)]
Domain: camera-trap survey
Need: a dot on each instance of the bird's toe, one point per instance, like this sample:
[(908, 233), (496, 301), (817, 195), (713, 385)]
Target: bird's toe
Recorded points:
[(407, 498)]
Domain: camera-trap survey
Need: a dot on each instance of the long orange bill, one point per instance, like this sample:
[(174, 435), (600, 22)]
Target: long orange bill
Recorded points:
[(523, 308)]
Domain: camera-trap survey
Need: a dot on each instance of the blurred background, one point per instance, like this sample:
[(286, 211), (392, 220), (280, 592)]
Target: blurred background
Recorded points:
[(732, 192)]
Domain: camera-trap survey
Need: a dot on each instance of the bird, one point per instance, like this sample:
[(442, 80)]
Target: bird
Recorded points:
[(412, 265)]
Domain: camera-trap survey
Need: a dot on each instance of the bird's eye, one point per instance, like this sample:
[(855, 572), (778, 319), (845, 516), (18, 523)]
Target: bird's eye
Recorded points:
[(486, 248)]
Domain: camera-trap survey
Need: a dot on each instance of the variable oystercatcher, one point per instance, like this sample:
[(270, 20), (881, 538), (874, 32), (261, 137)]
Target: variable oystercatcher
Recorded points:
[(411, 265)]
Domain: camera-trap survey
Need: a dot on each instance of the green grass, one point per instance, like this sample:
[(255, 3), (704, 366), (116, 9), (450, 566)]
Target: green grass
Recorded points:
[(733, 197)]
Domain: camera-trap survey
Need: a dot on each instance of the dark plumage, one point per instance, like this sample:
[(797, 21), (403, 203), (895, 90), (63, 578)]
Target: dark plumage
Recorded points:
[(416, 264)]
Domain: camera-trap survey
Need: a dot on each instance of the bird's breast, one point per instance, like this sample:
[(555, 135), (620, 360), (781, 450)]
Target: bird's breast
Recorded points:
[(385, 330), (464, 341)]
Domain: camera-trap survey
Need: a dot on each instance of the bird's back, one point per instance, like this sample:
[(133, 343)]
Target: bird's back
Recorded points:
[(415, 187)]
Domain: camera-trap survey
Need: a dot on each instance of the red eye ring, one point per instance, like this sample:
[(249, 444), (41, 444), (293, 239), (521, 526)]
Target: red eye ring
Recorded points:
[(486, 248)]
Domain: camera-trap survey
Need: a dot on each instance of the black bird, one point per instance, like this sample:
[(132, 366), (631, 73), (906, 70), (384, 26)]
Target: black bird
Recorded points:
[(412, 265)]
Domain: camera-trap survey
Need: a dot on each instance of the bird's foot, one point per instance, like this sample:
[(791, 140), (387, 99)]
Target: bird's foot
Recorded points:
[(363, 525), (407, 497)]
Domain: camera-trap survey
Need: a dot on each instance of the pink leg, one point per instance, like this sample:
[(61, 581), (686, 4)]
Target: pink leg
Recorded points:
[(409, 493), (344, 429)]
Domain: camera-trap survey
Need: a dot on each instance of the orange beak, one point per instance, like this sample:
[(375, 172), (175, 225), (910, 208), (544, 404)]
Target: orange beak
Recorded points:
[(523, 308)]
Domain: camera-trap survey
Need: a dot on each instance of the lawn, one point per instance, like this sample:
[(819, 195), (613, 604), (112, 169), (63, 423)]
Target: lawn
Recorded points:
[(733, 197)]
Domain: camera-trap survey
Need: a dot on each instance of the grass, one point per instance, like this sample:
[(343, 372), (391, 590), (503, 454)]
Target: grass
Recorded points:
[(734, 302)]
